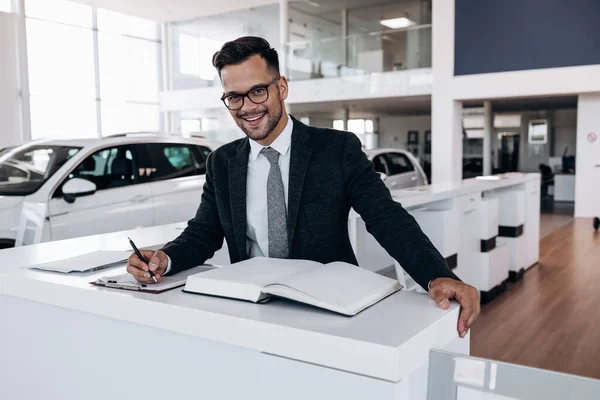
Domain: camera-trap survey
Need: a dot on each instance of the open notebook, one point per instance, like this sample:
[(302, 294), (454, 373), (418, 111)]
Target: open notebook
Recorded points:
[(339, 287)]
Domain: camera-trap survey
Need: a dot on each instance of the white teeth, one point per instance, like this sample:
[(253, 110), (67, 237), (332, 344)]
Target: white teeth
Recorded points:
[(253, 119)]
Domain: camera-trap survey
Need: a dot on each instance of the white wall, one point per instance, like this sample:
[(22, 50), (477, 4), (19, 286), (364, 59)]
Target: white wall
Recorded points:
[(565, 132), (10, 111), (542, 82), (587, 178), (393, 131)]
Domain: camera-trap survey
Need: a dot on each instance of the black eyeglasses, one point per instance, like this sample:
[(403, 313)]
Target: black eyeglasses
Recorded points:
[(258, 94)]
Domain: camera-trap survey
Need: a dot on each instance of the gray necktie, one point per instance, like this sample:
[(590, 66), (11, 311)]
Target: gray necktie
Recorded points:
[(278, 238)]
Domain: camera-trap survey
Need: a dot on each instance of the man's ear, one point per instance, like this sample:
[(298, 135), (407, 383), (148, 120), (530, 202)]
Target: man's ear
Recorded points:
[(283, 88)]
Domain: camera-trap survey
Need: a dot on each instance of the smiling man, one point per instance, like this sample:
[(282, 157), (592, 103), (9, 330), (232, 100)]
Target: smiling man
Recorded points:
[(286, 191)]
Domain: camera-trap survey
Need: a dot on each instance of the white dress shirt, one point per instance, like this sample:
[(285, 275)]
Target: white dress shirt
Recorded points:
[(257, 223)]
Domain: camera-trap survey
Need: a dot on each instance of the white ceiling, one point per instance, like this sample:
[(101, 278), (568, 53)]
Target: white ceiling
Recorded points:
[(175, 10)]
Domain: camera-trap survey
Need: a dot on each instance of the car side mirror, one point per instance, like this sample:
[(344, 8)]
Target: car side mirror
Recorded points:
[(382, 176), (78, 187)]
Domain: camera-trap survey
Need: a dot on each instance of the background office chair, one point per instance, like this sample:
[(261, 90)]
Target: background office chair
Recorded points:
[(547, 183)]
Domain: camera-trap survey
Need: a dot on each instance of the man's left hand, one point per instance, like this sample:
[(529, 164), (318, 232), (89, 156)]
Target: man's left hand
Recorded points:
[(442, 290)]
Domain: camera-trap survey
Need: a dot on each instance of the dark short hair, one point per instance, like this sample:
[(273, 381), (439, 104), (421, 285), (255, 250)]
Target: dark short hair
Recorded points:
[(241, 49)]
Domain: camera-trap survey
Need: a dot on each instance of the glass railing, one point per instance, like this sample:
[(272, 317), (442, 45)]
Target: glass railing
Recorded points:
[(382, 51), (459, 377)]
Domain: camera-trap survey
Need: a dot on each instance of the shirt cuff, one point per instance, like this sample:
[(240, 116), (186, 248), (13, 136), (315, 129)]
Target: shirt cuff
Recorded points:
[(168, 266)]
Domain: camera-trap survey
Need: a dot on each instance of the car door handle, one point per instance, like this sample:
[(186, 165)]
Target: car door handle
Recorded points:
[(140, 198), (413, 178)]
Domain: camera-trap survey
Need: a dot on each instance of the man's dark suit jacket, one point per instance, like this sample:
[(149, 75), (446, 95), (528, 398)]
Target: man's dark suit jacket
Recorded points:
[(329, 174)]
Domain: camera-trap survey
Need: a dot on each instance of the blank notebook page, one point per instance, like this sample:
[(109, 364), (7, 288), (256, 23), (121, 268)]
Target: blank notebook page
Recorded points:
[(259, 271), (343, 285)]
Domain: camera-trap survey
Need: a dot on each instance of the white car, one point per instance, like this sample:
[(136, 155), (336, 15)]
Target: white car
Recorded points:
[(93, 186), (399, 169)]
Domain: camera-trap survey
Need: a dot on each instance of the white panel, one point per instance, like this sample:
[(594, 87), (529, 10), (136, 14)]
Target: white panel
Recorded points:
[(587, 189), (493, 268), (371, 86), (539, 82), (532, 223), (10, 114)]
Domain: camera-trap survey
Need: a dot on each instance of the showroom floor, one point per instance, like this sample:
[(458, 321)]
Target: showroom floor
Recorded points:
[(551, 318)]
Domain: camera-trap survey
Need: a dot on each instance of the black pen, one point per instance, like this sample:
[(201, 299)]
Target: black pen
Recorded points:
[(141, 257)]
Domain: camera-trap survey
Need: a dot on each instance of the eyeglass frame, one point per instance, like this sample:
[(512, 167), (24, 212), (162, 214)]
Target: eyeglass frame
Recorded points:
[(244, 95)]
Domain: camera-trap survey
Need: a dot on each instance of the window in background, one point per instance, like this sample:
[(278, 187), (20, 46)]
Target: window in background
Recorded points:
[(122, 24), (195, 56), (210, 124), (66, 12), (65, 118), (129, 58), (6, 6), (128, 68), (189, 126), (129, 117), (63, 68), (358, 126), (189, 56), (61, 60)]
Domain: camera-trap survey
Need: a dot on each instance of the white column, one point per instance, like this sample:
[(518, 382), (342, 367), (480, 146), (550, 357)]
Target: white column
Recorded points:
[(446, 114), (346, 117), (284, 34), (488, 128), (23, 70), (345, 35), (166, 67), (10, 115), (587, 176)]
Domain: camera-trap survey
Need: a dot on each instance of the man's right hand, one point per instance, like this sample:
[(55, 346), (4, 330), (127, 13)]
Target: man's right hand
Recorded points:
[(157, 263)]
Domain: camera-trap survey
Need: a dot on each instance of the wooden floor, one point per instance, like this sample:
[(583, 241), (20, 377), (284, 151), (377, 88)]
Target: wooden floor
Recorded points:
[(551, 318)]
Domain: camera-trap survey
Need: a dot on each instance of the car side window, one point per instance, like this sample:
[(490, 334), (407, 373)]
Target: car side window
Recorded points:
[(164, 161), (107, 168), (399, 163), (379, 164), (204, 151)]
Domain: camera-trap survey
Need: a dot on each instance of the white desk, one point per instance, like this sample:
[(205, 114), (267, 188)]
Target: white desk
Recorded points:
[(63, 338), (564, 187)]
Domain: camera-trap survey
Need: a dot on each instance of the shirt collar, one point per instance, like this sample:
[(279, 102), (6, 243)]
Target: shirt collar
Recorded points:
[(281, 144)]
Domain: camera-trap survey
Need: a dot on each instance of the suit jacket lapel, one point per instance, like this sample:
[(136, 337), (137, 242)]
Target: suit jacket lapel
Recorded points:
[(299, 161), (238, 169)]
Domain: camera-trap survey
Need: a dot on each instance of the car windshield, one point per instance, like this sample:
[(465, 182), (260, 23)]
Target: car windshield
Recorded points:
[(23, 172)]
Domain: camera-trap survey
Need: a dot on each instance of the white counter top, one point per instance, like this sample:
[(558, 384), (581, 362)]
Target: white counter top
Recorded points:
[(417, 196), (375, 343)]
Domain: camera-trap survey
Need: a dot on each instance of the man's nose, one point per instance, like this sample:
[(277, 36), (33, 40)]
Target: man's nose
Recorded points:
[(248, 106)]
